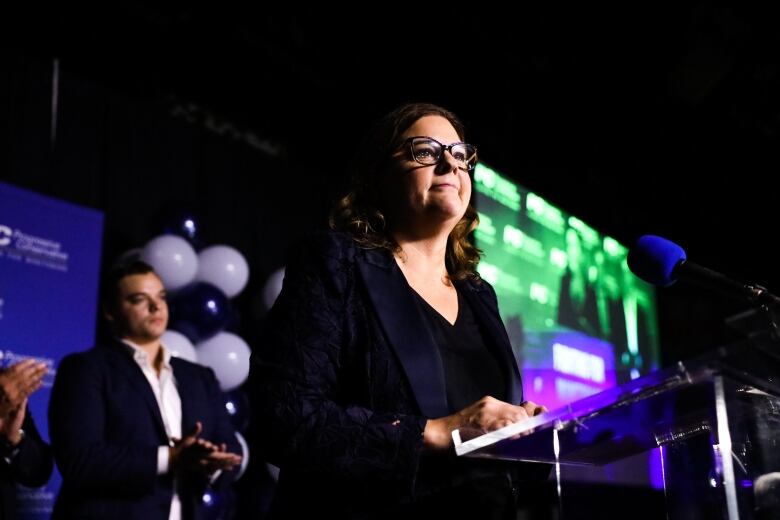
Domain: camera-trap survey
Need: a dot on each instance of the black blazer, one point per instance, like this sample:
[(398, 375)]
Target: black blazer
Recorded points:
[(346, 375), (31, 466), (105, 428)]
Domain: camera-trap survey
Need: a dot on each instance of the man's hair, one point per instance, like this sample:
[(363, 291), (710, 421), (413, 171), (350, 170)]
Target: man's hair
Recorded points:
[(360, 214), (109, 290)]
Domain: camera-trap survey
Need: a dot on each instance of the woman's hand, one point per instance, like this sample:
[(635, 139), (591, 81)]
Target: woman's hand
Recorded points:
[(486, 415)]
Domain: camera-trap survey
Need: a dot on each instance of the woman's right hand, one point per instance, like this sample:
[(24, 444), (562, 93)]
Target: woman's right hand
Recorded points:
[(487, 414)]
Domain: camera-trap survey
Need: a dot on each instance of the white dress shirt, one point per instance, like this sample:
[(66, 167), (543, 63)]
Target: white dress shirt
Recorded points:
[(169, 402)]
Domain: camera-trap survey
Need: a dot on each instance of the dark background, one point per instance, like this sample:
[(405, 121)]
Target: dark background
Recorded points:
[(638, 119)]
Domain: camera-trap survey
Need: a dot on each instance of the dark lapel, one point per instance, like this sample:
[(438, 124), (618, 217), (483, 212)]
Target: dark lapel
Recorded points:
[(486, 312), (124, 364), (406, 330), (183, 374)]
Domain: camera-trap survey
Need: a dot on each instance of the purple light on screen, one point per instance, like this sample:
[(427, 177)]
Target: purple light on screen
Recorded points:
[(564, 366)]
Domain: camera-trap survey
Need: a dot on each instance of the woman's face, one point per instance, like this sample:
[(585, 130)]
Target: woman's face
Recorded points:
[(419, 194)]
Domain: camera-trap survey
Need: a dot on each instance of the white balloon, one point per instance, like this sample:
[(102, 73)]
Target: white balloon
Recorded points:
[(173, 259), (228, 355), (223, 267), (244, 455), (179, 345), (272, 288)]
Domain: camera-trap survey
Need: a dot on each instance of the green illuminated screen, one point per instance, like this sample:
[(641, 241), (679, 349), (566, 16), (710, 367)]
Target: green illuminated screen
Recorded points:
[(555, 275)]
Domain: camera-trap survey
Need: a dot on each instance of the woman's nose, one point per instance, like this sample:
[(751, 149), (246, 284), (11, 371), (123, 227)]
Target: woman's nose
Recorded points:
[(447, 164)]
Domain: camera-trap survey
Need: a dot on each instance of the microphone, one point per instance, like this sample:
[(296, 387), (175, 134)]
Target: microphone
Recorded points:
[(661, 262)]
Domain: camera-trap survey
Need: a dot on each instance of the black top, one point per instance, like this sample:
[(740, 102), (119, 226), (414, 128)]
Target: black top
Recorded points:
[(471, 371), (464, 487)]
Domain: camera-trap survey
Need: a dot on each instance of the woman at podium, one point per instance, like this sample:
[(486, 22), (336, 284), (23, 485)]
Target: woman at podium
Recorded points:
[(385, 339)]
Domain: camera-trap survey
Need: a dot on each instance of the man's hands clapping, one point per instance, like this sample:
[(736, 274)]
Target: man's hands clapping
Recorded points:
[(194, 454)]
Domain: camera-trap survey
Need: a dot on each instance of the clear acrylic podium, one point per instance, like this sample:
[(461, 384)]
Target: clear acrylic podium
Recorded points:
[(716, 420)]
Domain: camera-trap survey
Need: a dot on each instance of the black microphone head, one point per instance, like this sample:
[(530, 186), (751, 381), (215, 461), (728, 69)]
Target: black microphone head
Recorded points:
[(654, 258)]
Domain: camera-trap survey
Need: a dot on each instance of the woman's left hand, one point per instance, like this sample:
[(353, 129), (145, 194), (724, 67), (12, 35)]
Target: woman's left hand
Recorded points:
[(486, 415)]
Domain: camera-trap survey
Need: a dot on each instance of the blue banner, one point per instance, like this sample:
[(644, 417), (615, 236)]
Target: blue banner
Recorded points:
[(49, 270)]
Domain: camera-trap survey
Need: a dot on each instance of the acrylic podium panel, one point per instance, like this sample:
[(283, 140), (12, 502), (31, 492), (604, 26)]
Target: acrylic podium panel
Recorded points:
[(716, 420)]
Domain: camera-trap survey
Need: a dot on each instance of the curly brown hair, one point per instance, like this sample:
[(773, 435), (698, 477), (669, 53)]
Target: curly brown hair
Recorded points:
[(359, 212)]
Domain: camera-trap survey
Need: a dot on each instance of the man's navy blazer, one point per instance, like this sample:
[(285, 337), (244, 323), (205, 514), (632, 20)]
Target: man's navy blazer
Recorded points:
[(105, 428)]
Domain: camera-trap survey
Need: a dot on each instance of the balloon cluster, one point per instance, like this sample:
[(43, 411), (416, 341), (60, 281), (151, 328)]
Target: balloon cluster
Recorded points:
[(201, 285)]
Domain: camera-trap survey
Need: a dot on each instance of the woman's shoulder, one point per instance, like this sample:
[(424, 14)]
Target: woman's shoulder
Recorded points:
[(327, 256), (325, 244), (324, 252), (329, 240)]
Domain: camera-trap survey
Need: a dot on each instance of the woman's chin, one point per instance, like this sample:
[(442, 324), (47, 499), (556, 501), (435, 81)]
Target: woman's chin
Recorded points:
[(446, 214), (454, 209)]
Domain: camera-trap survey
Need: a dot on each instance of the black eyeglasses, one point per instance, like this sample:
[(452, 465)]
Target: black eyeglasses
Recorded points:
[(429, 151)]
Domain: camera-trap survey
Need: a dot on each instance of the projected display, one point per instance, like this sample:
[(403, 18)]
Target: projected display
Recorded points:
[(578, 320)]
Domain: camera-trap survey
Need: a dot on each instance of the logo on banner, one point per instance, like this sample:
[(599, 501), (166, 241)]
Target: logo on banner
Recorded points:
[(31, 249), (5, 235)]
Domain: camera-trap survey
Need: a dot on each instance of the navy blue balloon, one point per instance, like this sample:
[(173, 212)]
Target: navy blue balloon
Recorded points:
[(199, 311), (216, 505), (237, 406), (182, 222)]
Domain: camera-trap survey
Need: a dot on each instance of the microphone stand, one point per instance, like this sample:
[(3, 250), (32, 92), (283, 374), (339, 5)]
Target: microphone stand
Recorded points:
[(755, 294), (766, 301)]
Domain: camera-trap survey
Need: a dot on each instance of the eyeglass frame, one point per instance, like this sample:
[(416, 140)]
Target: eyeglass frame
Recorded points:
[(444, 148)]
